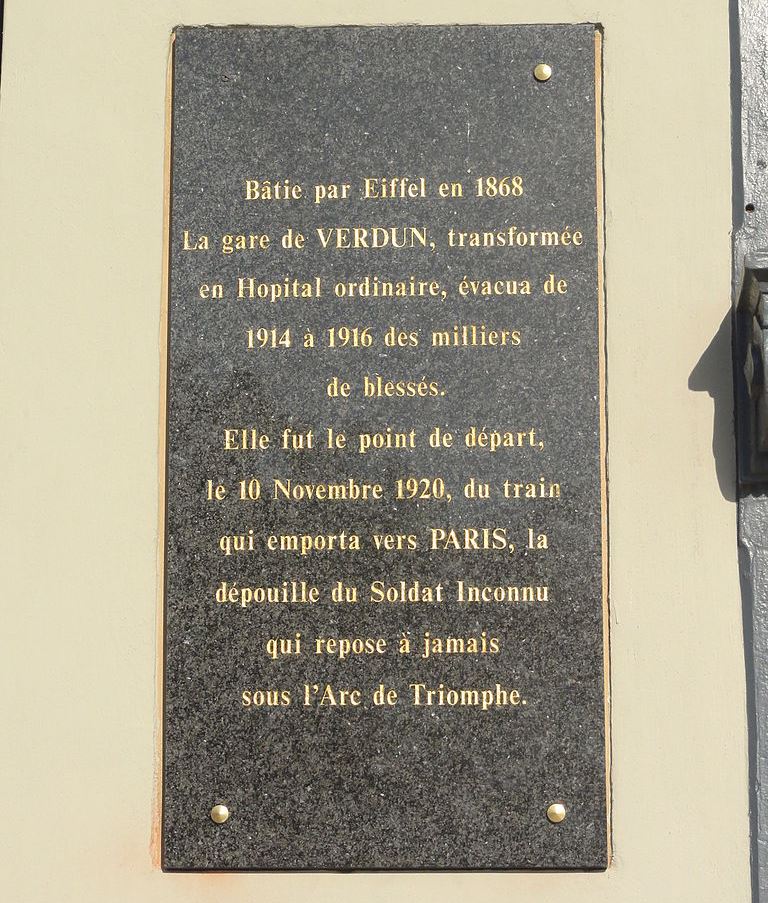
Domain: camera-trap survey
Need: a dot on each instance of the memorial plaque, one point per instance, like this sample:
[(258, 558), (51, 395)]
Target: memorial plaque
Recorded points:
[(385, 587)]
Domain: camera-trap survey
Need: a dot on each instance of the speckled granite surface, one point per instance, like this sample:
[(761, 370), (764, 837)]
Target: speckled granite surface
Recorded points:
[(404, 786)]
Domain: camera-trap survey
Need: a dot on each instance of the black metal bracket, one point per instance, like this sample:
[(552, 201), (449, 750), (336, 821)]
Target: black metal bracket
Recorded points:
[(751, 357)]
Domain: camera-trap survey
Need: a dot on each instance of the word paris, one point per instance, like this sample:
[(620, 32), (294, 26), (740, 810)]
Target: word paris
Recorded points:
[(382, 188), (384, 553)]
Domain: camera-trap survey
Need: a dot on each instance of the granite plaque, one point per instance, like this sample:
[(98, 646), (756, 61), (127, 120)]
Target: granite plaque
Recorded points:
[(384, 534)]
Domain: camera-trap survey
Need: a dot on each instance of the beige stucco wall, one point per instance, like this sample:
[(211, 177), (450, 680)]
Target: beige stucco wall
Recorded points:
[(81, 194)]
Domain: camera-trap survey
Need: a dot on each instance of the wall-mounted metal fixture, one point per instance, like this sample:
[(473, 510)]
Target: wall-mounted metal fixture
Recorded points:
[(751, 372)]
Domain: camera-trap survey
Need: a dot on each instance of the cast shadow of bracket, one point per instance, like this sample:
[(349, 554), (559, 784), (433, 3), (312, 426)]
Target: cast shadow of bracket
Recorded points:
[(714, 374)]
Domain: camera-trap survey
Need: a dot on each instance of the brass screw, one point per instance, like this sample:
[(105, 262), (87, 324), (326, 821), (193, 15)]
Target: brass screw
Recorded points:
[(542, 72), (556, 813), (219, 814)]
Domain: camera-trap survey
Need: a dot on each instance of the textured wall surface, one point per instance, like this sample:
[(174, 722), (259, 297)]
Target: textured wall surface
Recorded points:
[(750, 246)]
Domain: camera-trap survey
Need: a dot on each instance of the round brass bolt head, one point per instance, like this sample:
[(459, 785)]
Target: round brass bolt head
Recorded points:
[(542, 72), (219, 814), (556, 813)]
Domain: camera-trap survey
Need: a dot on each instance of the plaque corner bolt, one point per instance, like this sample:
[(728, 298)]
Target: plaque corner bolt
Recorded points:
[(556, 813), (542, 72), (219, 814)]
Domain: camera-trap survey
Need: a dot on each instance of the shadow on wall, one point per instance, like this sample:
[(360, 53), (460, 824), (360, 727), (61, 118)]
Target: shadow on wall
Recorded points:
[(714, 374)]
